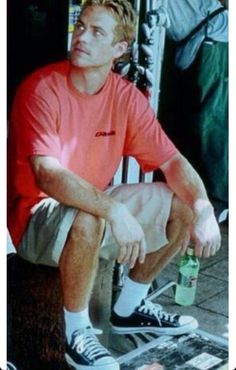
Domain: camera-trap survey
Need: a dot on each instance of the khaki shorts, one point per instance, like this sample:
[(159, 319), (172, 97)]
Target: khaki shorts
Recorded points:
[(50, 224)]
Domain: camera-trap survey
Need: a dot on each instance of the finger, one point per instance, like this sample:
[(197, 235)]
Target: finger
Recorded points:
[(216, 246), (198, 249), (129, 249), (183, 250), (134, 255), (186, 240), (184, 246), (142, 250), (207, 250), (213, 250), (122, 253)]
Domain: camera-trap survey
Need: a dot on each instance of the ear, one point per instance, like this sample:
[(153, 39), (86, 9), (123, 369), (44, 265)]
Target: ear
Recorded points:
[(120, 48)]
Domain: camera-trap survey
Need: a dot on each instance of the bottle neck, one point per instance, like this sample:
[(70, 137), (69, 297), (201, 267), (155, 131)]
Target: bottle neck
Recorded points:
[(190, 252)]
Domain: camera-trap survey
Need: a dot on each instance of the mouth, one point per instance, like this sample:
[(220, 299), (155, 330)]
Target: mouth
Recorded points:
[(80, 50)]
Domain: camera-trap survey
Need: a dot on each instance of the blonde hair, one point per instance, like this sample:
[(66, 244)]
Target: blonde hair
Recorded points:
[(123, 13)]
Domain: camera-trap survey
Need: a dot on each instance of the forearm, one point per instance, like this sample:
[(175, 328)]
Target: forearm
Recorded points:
[(186, 183), (70, 189), (188, 186)]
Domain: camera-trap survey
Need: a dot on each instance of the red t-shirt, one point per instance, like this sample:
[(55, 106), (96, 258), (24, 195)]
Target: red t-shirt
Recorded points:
[(88, 134)]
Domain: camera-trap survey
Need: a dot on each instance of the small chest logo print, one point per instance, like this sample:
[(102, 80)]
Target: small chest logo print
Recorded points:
[(104, 133)]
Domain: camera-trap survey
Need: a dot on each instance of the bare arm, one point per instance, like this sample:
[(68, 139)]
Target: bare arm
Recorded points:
[(188, 186), (70, 189)]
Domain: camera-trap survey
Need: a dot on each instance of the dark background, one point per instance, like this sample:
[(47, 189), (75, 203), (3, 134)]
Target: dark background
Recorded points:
[(36, 35)]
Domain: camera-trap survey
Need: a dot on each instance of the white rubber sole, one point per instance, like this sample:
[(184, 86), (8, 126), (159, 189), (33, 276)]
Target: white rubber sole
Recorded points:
[(161, 331), (114, 365)]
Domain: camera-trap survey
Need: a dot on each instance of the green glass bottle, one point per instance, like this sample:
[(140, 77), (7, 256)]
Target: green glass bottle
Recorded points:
[(187, 279)]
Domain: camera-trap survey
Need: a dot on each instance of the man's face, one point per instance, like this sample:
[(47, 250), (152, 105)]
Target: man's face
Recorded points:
[(92, 41)]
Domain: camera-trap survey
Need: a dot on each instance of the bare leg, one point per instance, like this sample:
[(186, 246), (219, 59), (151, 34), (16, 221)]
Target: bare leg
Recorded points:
[(178, 226), (131, 313), (79, 260)]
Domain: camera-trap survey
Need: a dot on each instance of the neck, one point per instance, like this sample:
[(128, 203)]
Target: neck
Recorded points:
[(89, 80)]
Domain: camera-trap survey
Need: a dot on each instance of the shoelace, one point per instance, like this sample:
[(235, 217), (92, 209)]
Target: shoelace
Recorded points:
[(86, 342), (157, 311)]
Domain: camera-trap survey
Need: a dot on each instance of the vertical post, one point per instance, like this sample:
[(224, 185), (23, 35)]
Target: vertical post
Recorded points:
[(152, 48), (137, 5), (144, 66), (152, 39)]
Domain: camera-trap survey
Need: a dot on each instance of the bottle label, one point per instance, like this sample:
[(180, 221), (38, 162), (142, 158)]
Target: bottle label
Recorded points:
[(187, 281)]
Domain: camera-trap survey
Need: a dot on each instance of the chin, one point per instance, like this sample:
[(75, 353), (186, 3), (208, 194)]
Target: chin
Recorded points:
[(78, 63)]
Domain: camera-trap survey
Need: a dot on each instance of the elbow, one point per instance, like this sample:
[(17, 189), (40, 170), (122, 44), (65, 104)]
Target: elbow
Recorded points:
[(44, 178), (44, 173), (173, 165)]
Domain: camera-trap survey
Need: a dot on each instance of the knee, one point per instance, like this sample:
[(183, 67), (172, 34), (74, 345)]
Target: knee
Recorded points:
[(87, 228), (181, 211)]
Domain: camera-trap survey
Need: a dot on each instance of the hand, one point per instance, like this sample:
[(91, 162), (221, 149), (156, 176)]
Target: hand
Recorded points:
[(129, 235), (206, 233), (185, 242)]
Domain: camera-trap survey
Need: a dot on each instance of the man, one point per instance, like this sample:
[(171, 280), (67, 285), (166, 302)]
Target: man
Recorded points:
[(197, 119), (71, 124)]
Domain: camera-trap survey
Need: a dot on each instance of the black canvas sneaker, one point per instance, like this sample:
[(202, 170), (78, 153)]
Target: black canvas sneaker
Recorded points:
[(85, 352), (150, 317)]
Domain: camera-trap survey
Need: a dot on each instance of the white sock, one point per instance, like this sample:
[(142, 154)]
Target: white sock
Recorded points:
[(75, 320), (130, 297)]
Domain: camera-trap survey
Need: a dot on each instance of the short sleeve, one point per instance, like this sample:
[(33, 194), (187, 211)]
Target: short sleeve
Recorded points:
[(146, 141), (34, 119)]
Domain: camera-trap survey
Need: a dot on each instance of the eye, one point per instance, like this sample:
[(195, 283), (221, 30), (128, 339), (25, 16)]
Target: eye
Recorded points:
[(97, 33), (79, 27)]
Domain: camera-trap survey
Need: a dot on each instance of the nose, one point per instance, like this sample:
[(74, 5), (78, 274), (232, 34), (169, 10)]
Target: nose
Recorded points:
[(81, 35)]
